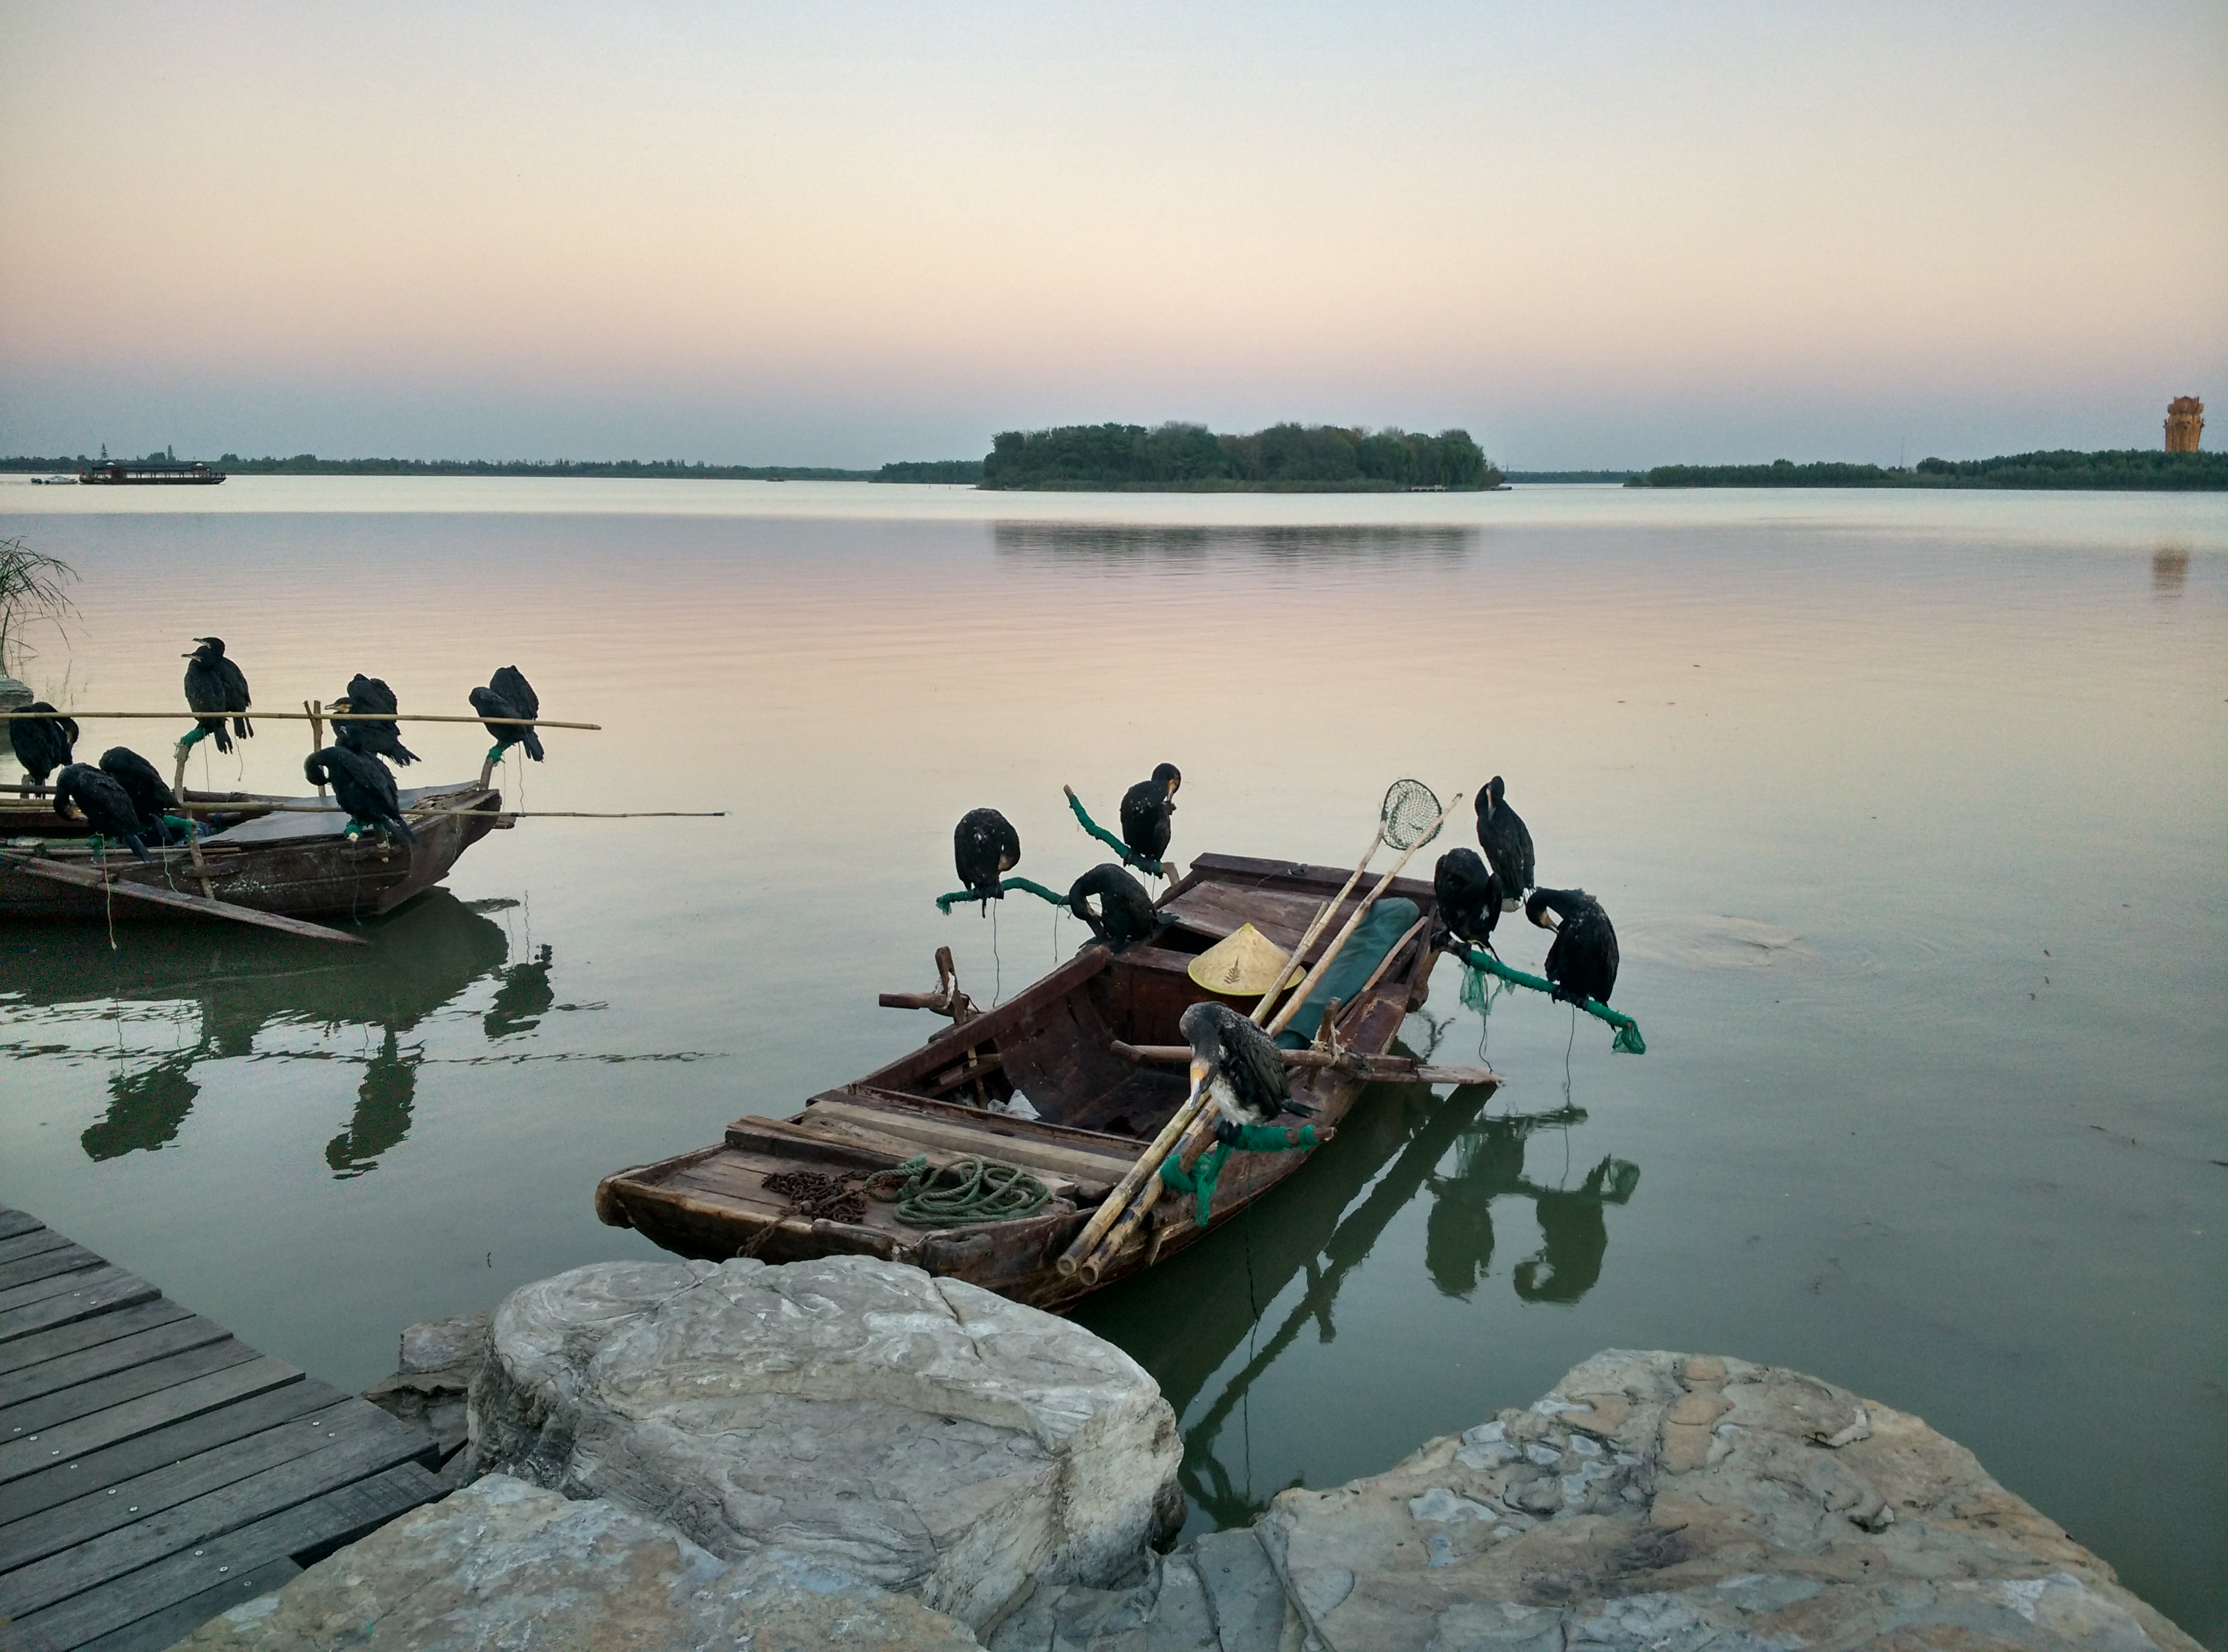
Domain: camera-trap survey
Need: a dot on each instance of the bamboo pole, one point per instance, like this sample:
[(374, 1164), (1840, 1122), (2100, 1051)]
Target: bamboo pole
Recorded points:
[(316, 734), (1315, 924), (1194, 1142), (303, 715)]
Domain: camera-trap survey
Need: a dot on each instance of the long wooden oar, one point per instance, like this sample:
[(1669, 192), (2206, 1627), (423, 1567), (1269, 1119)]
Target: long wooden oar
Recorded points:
[(86, 878), (1193, 1142)]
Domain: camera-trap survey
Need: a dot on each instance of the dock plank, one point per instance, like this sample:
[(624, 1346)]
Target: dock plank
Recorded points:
[(31, 1244), (88, 1270), (109, 1508), (339, 1517), (154, 1470), (118, 1353), (70, 1440), (200, 1520), (50, 1411), (68, 1259), (162, 1447), (66, 1340), (111, 1289), (161, 1631)]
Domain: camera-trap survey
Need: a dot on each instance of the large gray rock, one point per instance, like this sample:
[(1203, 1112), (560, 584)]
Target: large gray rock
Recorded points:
[(503, 1567), (432, 1380), (920, 1432), (1649, 1501)]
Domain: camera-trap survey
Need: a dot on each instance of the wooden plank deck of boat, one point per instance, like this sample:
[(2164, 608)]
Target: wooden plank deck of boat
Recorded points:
[(155, 1471)]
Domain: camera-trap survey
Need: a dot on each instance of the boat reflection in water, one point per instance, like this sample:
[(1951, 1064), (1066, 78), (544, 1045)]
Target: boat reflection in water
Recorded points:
[(1186, 1319), (225, 993)]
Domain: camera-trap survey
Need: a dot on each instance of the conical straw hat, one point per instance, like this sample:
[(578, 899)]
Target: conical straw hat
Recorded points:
[(1243, 964)]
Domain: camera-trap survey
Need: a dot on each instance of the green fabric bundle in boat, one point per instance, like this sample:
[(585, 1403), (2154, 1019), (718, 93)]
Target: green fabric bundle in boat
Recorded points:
[(1381, 932)]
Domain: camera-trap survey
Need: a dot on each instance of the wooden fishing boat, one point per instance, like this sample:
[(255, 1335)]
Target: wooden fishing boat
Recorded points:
[(287, 857), (1072, 1045)]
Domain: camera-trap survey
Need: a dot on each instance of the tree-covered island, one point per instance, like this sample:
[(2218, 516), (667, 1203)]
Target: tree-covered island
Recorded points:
[(1191, 459)]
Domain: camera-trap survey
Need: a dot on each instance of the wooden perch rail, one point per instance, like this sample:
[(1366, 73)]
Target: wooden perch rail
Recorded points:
[(1382, 1069), (327, 717)]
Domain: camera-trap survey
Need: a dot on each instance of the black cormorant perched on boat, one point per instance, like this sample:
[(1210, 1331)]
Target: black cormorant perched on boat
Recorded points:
[(1581, 963), (151, 796), (215, 684), (1240, 1068), (376, 739), (363, 786), (42, 744), (1468, 897), (106, 805), (1145, 810), (1506, 843), (1125, 912), (984, 847), (509, 695)]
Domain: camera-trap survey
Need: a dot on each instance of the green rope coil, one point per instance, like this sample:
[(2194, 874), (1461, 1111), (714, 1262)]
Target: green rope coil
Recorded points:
[(945, 903), (965, 1192), (1627, 1041), (1130, 857), (1251, 1138)]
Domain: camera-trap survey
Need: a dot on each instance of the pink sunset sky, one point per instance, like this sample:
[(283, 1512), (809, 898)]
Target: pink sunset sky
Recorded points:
[(1594, 234)]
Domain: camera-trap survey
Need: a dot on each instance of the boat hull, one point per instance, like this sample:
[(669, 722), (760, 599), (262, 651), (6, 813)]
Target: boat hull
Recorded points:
[(294, 866), (1060, 1041)]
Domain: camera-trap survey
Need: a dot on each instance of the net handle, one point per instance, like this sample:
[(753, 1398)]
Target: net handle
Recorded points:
[(1316, 925), (1330, 953)]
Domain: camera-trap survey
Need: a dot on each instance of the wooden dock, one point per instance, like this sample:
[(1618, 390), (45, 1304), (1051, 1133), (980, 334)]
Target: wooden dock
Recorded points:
[(154, 1469)]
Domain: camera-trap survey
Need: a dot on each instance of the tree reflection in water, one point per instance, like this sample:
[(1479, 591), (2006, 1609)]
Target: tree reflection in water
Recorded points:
[(1186, 1319), (235, 990)]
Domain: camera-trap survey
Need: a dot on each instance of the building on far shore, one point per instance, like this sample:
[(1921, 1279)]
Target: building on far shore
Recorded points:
[(2185, 423)]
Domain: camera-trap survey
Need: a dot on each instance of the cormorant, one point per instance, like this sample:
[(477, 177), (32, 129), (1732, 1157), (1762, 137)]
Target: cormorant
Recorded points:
[(375, 739), (1241, 1069), (1581, 963), (1126, 911), (106, 805), (363, 786), (214, 684), (1507, 843), (1145, 810), (509, 695), (1469, 899), (151, 796), (984, 847), (42, 744)]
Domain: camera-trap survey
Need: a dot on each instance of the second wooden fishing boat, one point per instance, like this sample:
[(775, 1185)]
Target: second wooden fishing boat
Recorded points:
[(285, 856), (1081, 1045)]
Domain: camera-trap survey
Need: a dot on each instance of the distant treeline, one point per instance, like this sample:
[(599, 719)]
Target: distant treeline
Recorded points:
[(967, 470), (1571, 475), (310, 464), (2114, 470), (1176, 458)]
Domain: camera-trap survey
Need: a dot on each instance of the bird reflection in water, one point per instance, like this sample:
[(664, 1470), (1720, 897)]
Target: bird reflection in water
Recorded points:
[(1458, 1236), (423, 959), (1185, 1320)]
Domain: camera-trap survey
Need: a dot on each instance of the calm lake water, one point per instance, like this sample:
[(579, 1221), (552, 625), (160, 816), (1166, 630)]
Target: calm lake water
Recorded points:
[(1911, 811)]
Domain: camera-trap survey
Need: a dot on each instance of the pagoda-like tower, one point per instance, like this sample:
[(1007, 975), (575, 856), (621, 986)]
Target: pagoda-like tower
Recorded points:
[(2185, 423)]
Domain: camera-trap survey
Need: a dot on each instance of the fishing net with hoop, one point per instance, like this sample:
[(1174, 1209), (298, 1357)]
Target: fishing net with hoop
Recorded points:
[(1410, 814)]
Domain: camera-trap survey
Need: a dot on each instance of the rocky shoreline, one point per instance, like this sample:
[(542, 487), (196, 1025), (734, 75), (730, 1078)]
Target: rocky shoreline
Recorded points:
[(849, 1452)]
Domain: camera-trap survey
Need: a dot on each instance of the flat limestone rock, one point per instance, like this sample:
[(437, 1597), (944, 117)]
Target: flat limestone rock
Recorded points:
[(1670, 1501), (432, 1378), (502, 1566), (920, 1433), (1666, 1501)]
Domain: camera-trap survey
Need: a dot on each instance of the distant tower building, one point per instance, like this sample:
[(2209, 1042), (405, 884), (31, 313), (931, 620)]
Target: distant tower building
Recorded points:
[(2185, 423)]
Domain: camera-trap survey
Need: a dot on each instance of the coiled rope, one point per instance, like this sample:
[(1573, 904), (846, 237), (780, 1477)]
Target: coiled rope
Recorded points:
[(963, 1193)]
